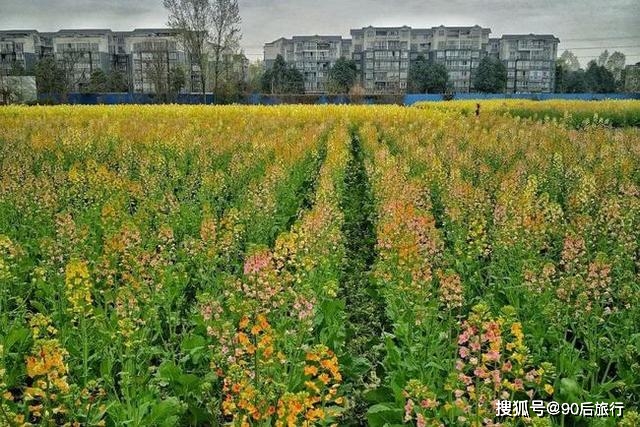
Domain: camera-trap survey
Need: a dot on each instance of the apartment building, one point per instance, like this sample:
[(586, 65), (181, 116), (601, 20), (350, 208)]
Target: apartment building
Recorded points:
[(460, 49), (382, 56), (154, 54), (493, 48), (530, 60), (19, 49), (82, 52), (313, 56), (146, 57), (632, 78)]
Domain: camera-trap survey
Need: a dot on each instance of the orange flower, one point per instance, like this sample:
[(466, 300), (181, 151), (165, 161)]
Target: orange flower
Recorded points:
[(310, 370)]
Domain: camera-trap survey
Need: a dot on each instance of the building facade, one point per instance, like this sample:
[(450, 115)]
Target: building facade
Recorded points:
[(531, 62), (313, 56), (460, 49), (383, 56), (632, 78), (154, 55), (19, 51), (147, 59), (81, 52)]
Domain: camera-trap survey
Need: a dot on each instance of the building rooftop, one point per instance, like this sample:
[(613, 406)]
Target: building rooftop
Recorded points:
[(317, 37), (17, 32), (530, 36), (152, 31), (97, 31)]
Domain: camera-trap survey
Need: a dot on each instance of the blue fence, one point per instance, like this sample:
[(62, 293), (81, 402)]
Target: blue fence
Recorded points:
[(412, 99), (124, 98), (260, 99)]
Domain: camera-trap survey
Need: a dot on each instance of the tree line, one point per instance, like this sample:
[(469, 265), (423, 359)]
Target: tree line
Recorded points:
[(606, 74)]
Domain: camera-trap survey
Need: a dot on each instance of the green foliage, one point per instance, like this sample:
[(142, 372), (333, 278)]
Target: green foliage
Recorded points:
[(598, 79), (50, 76), (117, 82), (177, 79), (282, 79), (98, 82), (427, 77), (569, 61), (491, 76), (256, 74), (342, 76), (570, 81)]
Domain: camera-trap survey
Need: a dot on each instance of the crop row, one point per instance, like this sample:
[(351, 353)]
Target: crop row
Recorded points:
[(314, 265)]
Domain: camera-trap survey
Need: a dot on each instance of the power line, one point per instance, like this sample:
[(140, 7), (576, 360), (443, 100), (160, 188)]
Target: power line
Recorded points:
[(600, 47), (632, 55), (601, 38)]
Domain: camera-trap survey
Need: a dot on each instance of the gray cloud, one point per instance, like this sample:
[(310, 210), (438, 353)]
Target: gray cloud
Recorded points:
[(587, 26)]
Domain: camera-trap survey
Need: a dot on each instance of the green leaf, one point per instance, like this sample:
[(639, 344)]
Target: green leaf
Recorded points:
[(165, 413), (193, 342), (379, 395), (169, 371), (15, 335), (381, 415), (570, 389)]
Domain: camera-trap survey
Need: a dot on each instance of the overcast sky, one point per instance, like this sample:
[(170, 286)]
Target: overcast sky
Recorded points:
[(584, 26)]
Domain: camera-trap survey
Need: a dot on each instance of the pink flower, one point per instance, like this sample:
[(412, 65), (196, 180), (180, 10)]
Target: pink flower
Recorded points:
[(493, 355), (495, 374), (481, 372), (465, 379), (463, 338), (408, 410), (428, 403), (256, 262), (464, 352), (420, 422), (207, 311)]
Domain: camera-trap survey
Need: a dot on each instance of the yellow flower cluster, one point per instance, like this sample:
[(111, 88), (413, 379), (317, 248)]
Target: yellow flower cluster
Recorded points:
[(47, 368), (78, 288), (320, 402)]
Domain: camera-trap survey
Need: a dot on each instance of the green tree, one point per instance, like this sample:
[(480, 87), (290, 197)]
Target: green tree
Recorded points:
[(569, 61), (561, 77), (575, 82), (51, 78), (615, 64), (117, 82), (282, 79), (98, 82), (491, 76), (255, 76), (603, 58), (342, 76), (599, 79), (427, 77), (177, 79)]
